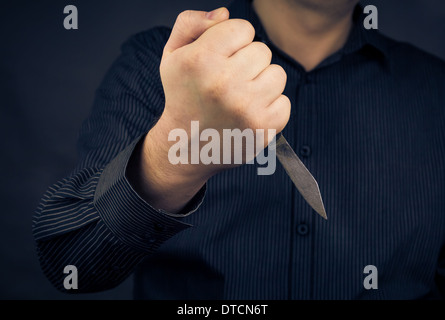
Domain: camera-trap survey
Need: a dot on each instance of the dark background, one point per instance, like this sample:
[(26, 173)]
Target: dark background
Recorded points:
[(48, 76)]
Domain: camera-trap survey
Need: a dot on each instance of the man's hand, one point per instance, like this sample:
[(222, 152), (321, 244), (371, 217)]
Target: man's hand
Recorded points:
[(211, 72)]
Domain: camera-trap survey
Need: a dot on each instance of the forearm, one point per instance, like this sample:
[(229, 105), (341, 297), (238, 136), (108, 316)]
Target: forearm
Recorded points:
[(95, 221)]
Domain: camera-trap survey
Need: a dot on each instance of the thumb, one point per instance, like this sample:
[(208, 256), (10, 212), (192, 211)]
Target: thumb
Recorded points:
[(190, 25)]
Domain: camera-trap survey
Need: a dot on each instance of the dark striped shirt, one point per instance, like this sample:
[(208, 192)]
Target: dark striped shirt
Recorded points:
[(368, 122)]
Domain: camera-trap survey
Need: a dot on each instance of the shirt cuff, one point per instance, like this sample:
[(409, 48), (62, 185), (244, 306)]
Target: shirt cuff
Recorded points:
[(135, 222)]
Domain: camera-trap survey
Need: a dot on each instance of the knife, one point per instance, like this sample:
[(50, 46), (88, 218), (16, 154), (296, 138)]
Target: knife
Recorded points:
[(300, 175)]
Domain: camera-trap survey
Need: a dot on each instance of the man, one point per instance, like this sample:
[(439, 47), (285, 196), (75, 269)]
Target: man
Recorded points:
[(367, 118)]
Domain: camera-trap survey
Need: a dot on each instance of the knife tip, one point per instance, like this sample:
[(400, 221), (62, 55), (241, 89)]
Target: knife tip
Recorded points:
[(322, 212)]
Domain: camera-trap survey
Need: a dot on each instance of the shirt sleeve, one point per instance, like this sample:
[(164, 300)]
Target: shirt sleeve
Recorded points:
[(94, 219)]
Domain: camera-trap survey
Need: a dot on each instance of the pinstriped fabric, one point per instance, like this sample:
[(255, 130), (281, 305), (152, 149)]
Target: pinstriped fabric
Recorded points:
[(94, 215), (61, 213), (369, 123)]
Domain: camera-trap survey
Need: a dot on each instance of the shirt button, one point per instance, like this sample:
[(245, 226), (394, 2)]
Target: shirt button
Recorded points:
[(159, 227), (305, 151), (146, 235), (302, 229), (149, 237), (116, 269)]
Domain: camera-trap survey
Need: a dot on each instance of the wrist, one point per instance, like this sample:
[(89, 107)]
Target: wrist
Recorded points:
[(164, 153), (162, 184)]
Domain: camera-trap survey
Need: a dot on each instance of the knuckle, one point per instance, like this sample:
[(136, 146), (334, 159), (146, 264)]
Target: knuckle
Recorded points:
[(243, 27), (247, 27), (286, 106), (286, 102), (264, 49), (283, 112), (280, 70), (279, 73), (184, 17)]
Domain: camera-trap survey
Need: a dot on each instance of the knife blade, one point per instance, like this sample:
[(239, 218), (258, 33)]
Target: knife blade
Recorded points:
[(300, 175)]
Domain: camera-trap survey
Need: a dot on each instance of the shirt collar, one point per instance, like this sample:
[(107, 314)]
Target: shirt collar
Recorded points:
[(363, 39), (359, 39)]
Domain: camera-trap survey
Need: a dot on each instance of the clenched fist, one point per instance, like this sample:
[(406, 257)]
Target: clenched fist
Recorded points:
[(212, 72), (218, 76)]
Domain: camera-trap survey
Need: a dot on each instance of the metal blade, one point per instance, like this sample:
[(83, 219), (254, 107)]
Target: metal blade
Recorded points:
[(300, 176)]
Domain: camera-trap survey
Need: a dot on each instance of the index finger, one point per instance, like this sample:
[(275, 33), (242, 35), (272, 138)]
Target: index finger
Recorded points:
[(227, 37)]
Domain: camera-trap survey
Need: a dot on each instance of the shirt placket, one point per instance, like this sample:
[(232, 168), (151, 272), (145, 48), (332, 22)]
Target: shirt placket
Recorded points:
[(301, 217)]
